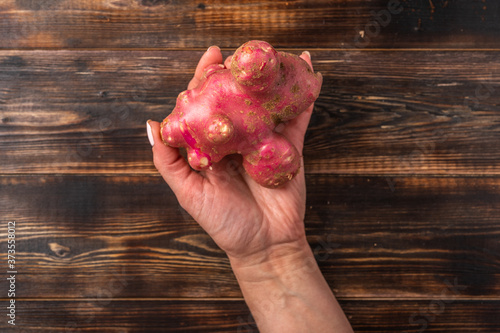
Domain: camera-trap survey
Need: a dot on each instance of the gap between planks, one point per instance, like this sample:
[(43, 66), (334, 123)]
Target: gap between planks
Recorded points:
[(241, 299), (198, 49), (340, 175)]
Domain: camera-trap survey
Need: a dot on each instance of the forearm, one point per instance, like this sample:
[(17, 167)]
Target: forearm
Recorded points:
[(286, 291)]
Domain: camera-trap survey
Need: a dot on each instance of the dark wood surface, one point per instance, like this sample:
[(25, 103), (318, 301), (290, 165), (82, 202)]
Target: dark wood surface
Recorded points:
[(222, 315), (407, 228), (402, 162), (191, 24)]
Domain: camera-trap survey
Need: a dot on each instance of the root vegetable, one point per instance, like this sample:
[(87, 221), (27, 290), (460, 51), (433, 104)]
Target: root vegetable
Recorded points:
[(236, 110)]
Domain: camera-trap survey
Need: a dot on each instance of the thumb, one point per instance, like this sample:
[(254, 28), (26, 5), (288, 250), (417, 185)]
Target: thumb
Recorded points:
[(171, 165)]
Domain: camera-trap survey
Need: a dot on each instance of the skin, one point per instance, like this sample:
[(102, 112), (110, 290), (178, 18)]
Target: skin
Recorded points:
[(261, 230)]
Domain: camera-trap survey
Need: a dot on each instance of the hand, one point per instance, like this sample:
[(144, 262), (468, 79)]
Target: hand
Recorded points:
[(261, 230), (242, 217)]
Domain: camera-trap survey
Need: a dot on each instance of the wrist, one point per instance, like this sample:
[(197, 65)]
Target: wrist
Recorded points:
[(275, 262), (286, 292)]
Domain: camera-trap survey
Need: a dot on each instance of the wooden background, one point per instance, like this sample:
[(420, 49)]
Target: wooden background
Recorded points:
[(402, 160)]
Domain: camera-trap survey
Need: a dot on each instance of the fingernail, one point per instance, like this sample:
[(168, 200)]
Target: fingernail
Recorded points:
[(212, 47), (308, 54), (150, 134)]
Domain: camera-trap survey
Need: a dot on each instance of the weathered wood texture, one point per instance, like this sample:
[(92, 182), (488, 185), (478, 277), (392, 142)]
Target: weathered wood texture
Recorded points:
[(111, 315), (198, 24), (402, 161), (432, 113), (412, 234)]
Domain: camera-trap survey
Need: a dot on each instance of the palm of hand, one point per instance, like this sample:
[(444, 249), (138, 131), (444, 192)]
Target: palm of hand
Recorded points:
[(243, 217)]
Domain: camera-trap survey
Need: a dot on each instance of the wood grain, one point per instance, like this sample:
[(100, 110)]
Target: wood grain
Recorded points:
[(402, 161), (111, 315), (377, 237), (429, 113), (352, 24)]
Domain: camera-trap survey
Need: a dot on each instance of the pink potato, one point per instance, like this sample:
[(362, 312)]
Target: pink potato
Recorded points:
[(236, 110)]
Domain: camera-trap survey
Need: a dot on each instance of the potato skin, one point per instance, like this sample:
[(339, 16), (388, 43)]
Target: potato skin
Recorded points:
[(236, 110)]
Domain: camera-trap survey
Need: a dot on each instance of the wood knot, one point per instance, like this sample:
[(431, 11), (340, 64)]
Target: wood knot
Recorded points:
[(59, 250)]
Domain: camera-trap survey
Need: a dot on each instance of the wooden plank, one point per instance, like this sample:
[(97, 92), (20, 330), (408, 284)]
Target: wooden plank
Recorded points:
[(433, 315), (111, 315), (427, 113), (406, 113), (199, 24), (114, 315), (379, 237)]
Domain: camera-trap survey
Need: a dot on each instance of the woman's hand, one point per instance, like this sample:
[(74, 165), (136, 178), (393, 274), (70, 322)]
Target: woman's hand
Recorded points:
[(260, 229)]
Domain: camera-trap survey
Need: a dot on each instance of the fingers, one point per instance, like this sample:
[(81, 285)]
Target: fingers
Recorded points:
[(227, 62), (171, 165), (297, 127), (307, 57), (212, 56)]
